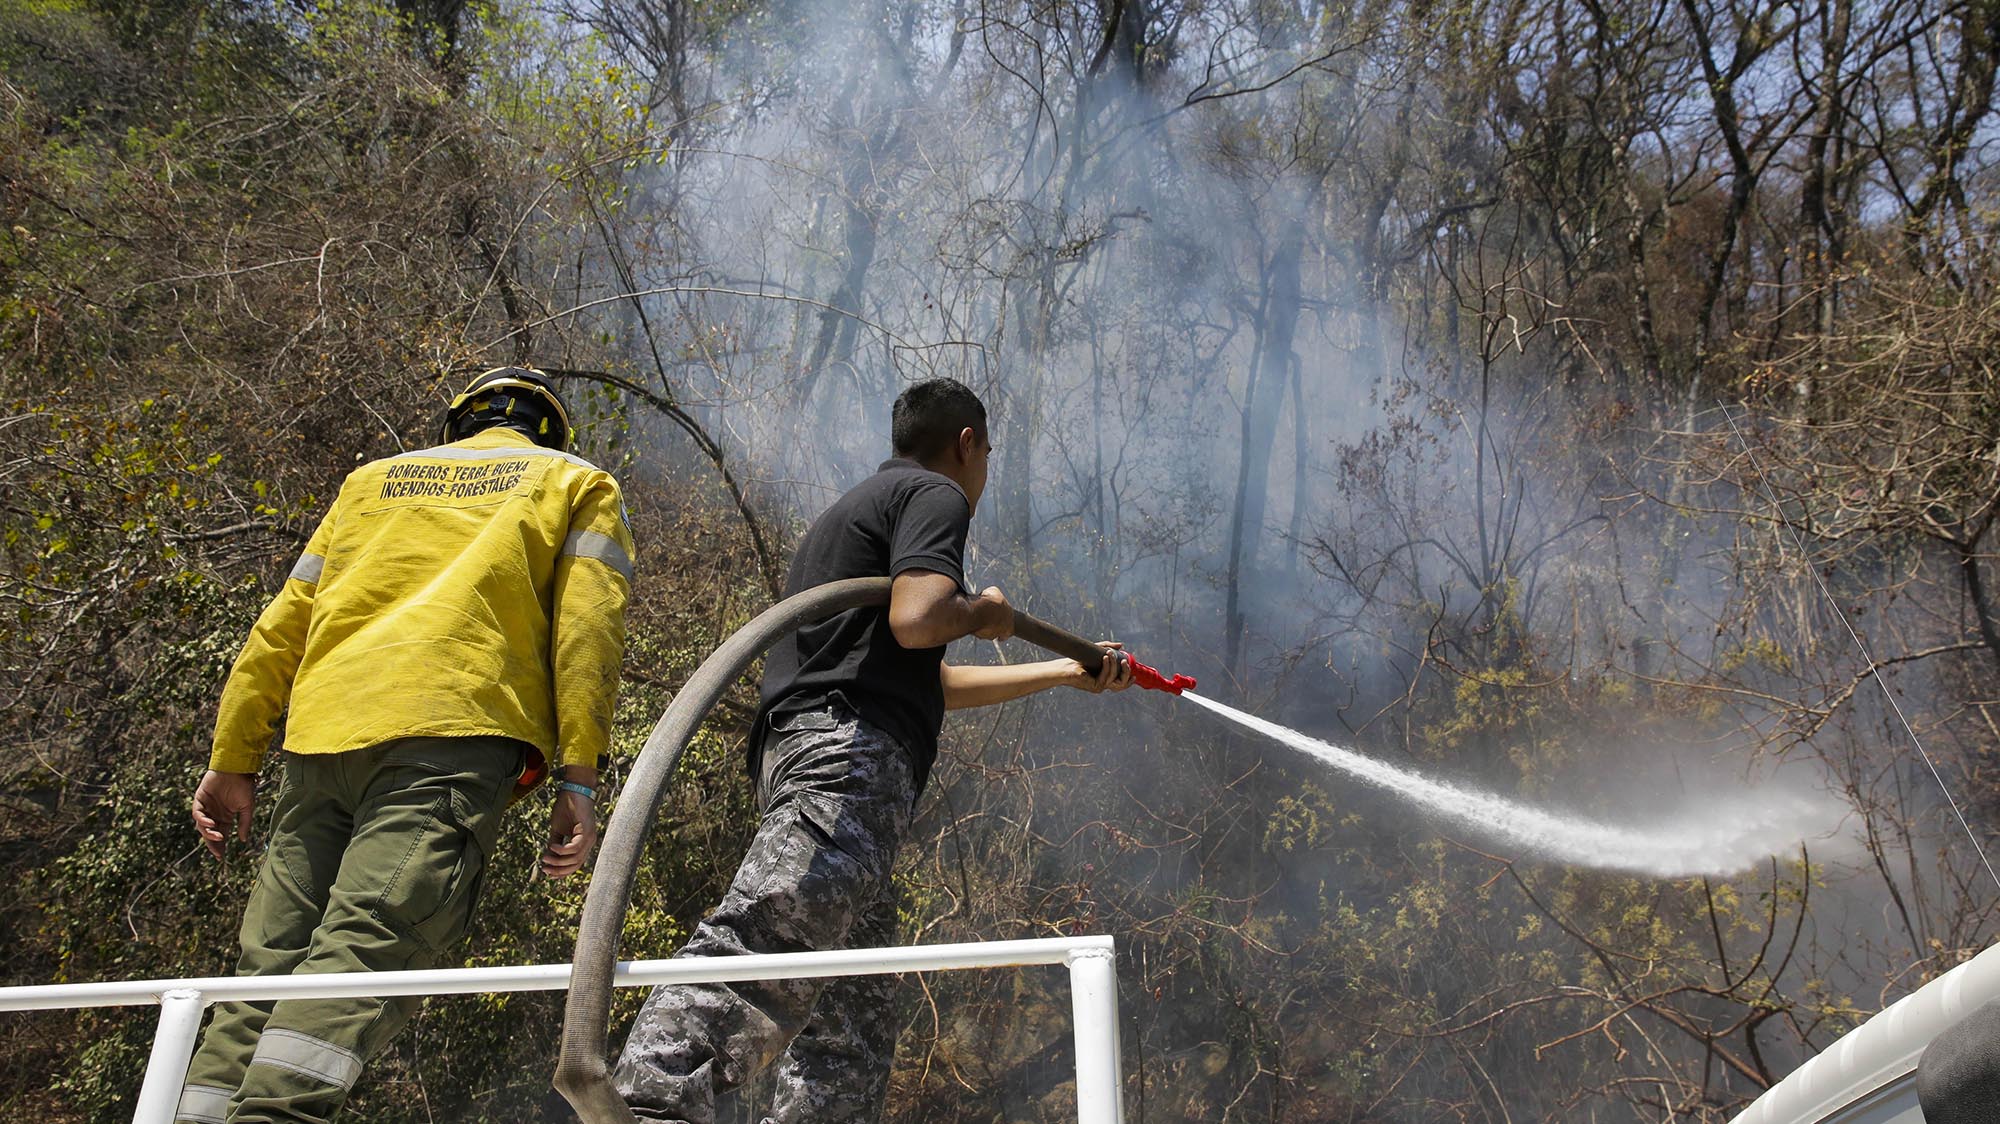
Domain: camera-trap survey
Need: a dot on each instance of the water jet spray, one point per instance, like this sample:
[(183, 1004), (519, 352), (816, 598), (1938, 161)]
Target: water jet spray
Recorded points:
[(1719, 837), (1716, 836)]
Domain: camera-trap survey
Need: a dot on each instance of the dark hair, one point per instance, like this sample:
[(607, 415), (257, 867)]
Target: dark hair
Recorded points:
[(930, 415)]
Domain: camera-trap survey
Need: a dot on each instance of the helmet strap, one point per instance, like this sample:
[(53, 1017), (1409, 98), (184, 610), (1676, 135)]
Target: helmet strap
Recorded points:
[(523, 413)]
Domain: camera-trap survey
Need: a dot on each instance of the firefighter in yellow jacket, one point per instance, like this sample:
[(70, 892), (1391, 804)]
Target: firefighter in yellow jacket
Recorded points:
[(456, 621)]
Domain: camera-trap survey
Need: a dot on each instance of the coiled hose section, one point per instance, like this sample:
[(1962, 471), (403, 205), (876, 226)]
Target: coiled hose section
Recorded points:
[(582, 1074)]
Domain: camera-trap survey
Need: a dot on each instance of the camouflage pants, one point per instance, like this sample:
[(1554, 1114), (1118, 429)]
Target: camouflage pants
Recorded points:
[(837, 794)]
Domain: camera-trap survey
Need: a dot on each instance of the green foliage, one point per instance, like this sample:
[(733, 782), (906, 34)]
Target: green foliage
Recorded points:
[(245, 245)]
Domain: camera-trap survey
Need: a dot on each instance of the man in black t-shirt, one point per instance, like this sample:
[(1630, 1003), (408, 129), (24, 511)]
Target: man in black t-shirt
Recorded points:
[(841, 747)]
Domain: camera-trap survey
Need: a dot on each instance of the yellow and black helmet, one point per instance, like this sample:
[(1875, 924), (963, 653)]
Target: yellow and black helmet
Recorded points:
[(521, 397)]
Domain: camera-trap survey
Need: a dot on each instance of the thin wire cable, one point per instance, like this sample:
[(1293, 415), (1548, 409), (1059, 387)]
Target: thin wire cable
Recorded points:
[(1874, 669)]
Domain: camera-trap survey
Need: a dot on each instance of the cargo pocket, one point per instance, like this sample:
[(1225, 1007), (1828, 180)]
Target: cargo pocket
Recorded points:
[(778, 901), (794, 737), (430, 897), (857, 838), (286, 849)]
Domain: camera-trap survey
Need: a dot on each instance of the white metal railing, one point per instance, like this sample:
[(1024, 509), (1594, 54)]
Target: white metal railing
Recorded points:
[(1092, 975)]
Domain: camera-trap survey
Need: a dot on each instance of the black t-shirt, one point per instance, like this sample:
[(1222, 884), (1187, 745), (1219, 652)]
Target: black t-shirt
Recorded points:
[(905, 517)]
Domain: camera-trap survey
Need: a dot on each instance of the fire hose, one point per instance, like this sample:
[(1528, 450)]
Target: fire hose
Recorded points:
[(582, 1074)]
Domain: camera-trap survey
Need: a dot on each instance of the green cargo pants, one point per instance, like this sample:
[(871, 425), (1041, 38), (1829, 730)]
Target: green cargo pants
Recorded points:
[(374, 862)]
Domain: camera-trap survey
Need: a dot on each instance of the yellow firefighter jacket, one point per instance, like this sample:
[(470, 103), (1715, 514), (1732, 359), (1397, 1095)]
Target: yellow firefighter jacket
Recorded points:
[(474, 588)]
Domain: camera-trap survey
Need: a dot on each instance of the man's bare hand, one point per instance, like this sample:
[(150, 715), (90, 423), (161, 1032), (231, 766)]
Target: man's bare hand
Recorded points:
[(992, 616), (222, 801), (572, 834), (1111, 675)]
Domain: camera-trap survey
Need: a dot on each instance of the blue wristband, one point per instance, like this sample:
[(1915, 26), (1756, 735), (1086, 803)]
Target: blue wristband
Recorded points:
[(583, 790)]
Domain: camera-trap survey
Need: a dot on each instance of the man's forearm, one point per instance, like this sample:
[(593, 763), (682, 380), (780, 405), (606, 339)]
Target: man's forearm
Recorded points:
[(260, 682), (928, 610), (942, 621), (969, 686)]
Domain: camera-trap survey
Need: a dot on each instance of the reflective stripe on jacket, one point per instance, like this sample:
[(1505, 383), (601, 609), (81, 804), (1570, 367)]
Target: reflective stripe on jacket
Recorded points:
[(475, 588)]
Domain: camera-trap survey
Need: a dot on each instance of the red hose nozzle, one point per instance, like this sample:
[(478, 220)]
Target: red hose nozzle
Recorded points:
[(1152, 680)]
